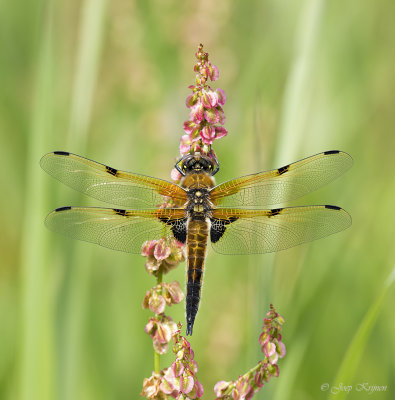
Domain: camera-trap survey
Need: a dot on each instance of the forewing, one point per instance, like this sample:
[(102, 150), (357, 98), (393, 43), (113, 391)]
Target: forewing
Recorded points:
[(122, 230), (282, 184), (266, 231), (108, 184)]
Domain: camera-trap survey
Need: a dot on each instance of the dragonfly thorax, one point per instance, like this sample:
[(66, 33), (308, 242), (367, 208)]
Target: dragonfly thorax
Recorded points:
[(199, 204)]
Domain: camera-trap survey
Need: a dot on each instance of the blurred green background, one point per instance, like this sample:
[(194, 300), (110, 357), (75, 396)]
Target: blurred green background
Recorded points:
[(108, 80)]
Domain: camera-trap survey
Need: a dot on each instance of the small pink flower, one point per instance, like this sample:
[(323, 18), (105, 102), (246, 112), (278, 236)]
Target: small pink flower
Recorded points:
[(161, 250), (221, 388), (156, 303), (213, 72), (148, 248), (172, 293), (186, 383), (151, 387), (197, 391), (221, 96), (189, 127), (197, 112), (161, 331), (220, 132), (175, 174), (191, 100), (208, 134), (209, 98), (211, 115), (242, 390)]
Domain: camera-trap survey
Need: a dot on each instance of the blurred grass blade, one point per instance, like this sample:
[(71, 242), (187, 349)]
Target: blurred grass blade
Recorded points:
[(87, 67), (355, 351), (79, 261), (296, 104), (36, 349)]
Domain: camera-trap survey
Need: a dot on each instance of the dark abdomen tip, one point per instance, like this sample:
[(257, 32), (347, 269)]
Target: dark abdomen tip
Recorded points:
[(189, 328)]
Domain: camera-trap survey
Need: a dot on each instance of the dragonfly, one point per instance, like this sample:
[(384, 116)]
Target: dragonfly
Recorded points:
[(235, 216)]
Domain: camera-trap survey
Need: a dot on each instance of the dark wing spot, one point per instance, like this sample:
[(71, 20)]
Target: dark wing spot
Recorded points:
[(282, 170), (218, 228), (120, 212), (275, 211), (178, 227), (333, 207), (61, 153), (111, 171), (331, 152), (63, 209)]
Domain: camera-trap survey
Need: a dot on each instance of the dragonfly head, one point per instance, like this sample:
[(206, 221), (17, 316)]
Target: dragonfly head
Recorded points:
[(197, 163)]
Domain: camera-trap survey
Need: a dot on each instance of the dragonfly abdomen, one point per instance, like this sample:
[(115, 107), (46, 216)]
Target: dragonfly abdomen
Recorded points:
[(197, 238)]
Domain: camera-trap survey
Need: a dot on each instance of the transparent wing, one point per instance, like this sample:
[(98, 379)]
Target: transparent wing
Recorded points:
[(282, 184), (122, 230), (108, 184), (266, 231)]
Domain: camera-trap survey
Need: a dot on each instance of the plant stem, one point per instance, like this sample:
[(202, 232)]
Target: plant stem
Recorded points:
[(157, 355)]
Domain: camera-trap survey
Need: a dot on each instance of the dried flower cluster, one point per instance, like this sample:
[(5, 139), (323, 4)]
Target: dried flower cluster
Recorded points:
[(160, 295), (162, 255), (205, 106), (179, 380), (251, 382)]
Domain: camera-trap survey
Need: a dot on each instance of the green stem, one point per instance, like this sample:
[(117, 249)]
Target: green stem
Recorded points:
[(157, 355)]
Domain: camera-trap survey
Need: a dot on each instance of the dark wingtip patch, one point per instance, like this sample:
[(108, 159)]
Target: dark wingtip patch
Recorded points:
[(333, 207), (61, 153), (331, 152), (282, 170), (275, 211), (120, 212), (63, 209), (111, 171)]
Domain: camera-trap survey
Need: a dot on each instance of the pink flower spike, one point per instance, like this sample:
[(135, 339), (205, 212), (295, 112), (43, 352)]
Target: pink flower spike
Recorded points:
[(211, 115), (161, 250)]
